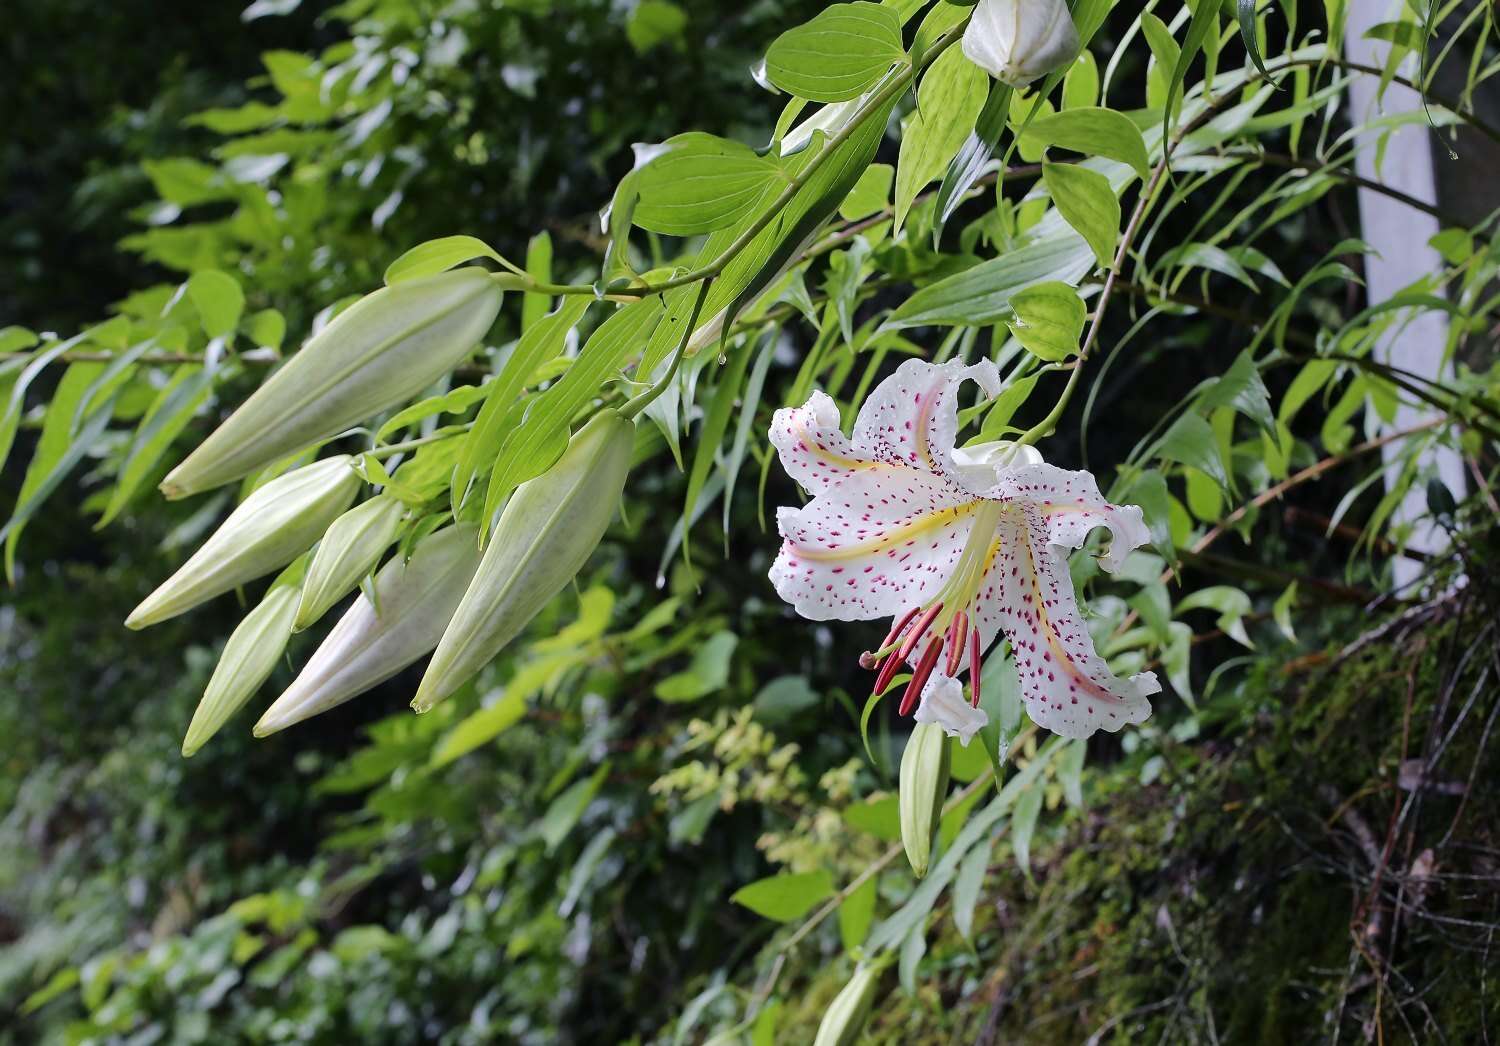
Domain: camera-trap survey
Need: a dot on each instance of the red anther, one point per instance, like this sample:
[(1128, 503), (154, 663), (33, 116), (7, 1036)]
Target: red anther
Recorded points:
[(956, 635), (887, 673), (920, 676), (890, 637), (918, 630), (867, 661), (975, 667)]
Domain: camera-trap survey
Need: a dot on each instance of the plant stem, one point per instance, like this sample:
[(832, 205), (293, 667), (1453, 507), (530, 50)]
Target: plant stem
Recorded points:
[(875, 103), (876, 866), (1048, 425), (412, 444), (634, 407), (1451, 104)]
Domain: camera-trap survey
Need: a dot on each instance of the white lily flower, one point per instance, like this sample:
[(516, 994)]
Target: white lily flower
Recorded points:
[(954, 543), (1018, 41), (943, 703)]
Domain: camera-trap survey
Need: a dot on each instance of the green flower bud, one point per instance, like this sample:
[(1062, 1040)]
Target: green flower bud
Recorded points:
[(248, 659), (381, 351), (270, 528), (924, 785), (351, 548), (547, 532), (414, 601), (846, 1017)]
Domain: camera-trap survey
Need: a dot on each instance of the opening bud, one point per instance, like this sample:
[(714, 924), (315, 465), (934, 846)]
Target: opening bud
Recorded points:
[(1018, 41)]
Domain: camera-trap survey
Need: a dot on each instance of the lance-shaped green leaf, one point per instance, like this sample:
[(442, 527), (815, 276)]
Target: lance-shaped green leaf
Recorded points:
[(248, 659), (59, 448), (435, 256), (952, 93), (1093, 132), (969, 165), (548, 530), (533, 447), (837, 55), (924, 785), (414, 599), (168, 415), (982, 293), (542, 341), (273, 526), (382, 350), (349, 550), (1088, 203)]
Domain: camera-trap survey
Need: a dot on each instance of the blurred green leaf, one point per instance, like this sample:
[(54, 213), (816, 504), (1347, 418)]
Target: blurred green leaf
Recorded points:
[(785, 897)]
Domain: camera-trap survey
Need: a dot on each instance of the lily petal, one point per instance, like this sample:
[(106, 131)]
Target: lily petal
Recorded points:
[(813, 450), (911, 418), (943, 703), (1071, 506), (1067, 687), (875, 543)]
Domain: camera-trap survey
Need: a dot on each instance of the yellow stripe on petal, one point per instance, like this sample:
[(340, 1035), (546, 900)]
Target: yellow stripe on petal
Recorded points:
[(893, 538)]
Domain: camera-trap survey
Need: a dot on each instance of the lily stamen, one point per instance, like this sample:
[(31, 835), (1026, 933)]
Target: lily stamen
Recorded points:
[(923, 624), (976, 667), (957, 632), (920, 676), (887, 672)]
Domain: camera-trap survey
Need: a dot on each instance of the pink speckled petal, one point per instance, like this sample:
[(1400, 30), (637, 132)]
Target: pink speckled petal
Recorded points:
[(872, 544), (1066, 685), (911, 418), (1071, 505), (813, 450)]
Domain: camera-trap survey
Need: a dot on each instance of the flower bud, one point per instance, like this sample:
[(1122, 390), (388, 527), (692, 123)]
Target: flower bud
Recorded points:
[(414, 600), (273, 526), (248, 659), (1018, 41), (548, 530), (381, 351), (845, 1017), (351, 548), (924, 785)]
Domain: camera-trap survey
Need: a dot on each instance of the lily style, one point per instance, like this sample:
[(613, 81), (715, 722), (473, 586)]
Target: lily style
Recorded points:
[(954, 544)]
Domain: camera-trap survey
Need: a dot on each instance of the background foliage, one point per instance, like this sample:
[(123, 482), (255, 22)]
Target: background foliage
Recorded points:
[(558, 853)]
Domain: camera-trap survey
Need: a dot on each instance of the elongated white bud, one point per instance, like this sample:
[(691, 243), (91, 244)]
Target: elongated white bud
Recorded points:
[(248, 659), (546, 533), (846, 1015), (1018, 41), (414, 601), (381, 351), (351, 548), (270, 528), (924, 785)]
